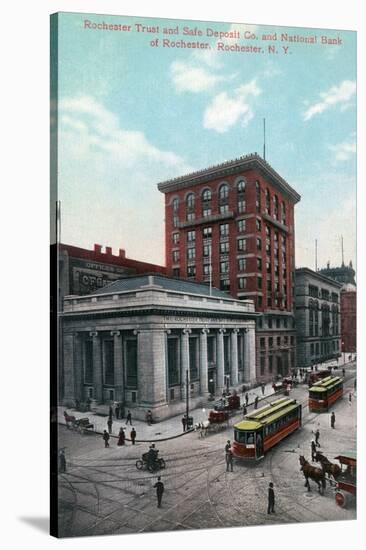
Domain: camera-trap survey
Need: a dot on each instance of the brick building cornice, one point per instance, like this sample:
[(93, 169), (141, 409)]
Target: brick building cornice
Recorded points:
[(228, 168)]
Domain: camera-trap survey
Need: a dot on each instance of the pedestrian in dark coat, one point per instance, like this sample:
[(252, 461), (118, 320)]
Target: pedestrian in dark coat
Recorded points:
[(263, 388), (109, 424), (245, 410), (184, 423), (133, 435), (256, 402), (106, 437), (332, 420), (317, 435), (159, 486), (121, 437), (350, 398), (229, 459), (129, 418), (313, 450), (271, 499), (246, 399), (61, 462), (227, 446)]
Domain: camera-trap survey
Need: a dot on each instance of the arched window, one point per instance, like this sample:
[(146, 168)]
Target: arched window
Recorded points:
[(257, 196), (268, 202), (206, 195), (175, 205), (224, 193), (283, 213), (190, 201), (241, 186)]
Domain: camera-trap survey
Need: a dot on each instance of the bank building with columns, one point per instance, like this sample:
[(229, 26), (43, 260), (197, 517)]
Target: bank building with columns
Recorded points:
[(134, 341)]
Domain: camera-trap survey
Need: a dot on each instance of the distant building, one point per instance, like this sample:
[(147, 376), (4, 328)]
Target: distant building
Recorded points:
[(346, 276), (348, 318), (318, 319), (234, 222), (134, 340)]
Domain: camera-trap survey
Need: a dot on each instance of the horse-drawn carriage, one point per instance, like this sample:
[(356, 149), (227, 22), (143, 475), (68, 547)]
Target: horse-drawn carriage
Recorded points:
[(228, 403), (216, 421), (346, 481), (82, 425)]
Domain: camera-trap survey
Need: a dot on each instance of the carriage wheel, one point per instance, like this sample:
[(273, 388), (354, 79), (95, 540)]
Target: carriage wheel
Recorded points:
[(340, 499), (162, 463), (139, 464)]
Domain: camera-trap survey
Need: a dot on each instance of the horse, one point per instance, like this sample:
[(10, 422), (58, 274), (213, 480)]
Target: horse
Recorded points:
[(327, 466), (316, 474), (203, 427)]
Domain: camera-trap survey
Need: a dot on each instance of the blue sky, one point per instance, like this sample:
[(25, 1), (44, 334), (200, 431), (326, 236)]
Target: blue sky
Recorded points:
[(132, 115)]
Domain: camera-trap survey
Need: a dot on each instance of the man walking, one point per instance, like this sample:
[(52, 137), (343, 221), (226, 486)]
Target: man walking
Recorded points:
[(317, 435), (159, 486), (129, 418), (246, 399), (244, 410), (271, 499), (109, 424), (332, 420), (229, 459), (313, 450), (184, 422), (263, 389), (106, 437), (61, 461), (133, 436), (256, 402), (227, 446)]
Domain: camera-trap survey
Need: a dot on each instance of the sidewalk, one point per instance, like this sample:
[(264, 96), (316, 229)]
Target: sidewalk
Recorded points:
[(166, 429)]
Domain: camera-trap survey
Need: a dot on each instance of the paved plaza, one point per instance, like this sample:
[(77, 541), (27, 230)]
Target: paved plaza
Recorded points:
[(102, 492)]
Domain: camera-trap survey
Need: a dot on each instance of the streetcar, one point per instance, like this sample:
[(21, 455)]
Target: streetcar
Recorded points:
[(324, 393), (264, 427)]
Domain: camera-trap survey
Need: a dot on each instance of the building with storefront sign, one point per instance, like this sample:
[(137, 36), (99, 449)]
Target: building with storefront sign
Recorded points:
[(133, 341)]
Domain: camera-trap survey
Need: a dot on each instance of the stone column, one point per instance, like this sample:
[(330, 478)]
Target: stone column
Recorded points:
[(203, 362), (97, 367), (151, 367), (234, 357), (69, 374), (220, 369), (250, 340), (118, 366), (78, 368), (184, 361), (246, 356)]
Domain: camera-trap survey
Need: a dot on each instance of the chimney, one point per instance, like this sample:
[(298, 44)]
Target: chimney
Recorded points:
[(122, 253), (108, 250), (98, 248)]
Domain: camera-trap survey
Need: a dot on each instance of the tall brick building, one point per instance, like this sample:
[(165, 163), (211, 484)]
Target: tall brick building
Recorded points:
[(238, 217)]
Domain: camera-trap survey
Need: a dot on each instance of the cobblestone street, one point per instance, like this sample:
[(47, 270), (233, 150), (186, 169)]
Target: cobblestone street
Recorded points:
[(102, 492)]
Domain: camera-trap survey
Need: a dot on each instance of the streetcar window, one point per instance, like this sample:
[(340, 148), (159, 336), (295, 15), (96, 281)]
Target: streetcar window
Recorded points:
[(244, 437)]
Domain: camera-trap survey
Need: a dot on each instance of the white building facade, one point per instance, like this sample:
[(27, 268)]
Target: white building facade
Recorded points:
[(135, 340)]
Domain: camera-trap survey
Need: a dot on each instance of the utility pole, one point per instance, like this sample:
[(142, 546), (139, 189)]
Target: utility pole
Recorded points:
[(316, 254), (187, 396)]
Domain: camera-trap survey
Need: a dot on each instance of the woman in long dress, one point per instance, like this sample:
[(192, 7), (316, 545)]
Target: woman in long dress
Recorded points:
[(121, 437)]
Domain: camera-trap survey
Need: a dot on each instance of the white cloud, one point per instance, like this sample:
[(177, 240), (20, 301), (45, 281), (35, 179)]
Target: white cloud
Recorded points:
[(107, 181), (190, 78), (227, 109), (341, 94), (343, 151)]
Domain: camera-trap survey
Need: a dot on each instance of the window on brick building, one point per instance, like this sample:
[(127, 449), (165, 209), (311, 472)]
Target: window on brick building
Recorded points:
[(242, 282), (268, 202), (191, 271), (175, 238), (223, 208), (224, 230), (207, 232), (207, 248), (206, 269), (283, 213), (175, 221), (191, 253), (259, 264), (225, 285), (224, 247), (206, 203), (242, 244), (176, 272), (241, 186), (242, 264), (190, 201), (175, 256), (257, 196), (268, 267), (190, 216), (275, 207), (175, 205), (242, 206), (224, 193), (241, 226), (259, 244), (258, 225), (259, 282), (191, 236), (241, 196), (224, 267)]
